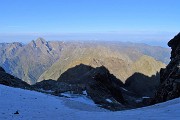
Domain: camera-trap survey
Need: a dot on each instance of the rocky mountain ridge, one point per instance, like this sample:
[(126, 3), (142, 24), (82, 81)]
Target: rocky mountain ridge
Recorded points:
[(28, 62), (32, 62)]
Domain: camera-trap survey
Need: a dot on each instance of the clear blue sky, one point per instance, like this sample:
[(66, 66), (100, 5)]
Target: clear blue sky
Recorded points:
[(30, 17)]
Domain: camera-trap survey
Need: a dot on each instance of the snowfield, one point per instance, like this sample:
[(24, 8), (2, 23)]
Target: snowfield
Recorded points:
[(32, 105)]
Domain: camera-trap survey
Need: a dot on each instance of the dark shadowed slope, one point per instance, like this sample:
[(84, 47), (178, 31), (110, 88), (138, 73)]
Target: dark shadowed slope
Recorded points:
[(9, 80), (170, 76)]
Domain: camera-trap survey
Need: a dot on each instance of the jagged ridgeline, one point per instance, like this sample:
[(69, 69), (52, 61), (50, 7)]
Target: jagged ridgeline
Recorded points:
[(41, 59)]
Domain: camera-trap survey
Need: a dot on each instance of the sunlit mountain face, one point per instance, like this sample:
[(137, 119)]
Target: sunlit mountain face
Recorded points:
[(43, 54)]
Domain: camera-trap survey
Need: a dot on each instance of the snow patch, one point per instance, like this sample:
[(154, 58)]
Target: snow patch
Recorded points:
[(124, 89), (79, 98), (109, 100), (145, 97), (85, 92), (47, 91)]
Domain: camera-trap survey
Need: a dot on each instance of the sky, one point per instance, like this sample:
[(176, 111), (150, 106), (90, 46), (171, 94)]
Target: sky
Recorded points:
[(125, 20)]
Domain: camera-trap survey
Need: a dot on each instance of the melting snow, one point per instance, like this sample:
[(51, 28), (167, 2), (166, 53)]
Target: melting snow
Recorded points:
[(79, 98), (85, 92), (124, 89), (145, 97), (108, 100)]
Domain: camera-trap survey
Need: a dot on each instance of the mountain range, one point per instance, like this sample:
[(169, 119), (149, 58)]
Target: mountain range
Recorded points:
[(90, 72), (42, 60)]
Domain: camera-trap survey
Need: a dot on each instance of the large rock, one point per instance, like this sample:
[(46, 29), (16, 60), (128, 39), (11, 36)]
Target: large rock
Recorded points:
[(101, 86), (170, 76)]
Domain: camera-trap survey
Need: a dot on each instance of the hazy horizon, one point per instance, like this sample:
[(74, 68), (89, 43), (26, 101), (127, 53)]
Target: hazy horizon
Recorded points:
[(155, 39), (152, 22)]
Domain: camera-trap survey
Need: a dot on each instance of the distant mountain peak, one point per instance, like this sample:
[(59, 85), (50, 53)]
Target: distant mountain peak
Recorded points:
[(17, 44), (40, 41)]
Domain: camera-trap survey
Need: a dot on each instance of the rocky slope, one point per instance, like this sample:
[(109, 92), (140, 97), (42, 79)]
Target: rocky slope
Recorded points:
[(29, 61), (170, 76), (97, 83), (9, 80), (122, 65)]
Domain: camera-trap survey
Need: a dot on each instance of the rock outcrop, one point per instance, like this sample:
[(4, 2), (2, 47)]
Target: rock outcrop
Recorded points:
[(170, 76), (99, 85), (143, 85)]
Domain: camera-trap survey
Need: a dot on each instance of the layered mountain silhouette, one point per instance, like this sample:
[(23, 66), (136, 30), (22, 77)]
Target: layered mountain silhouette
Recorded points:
[(117, 59), (41, 59)]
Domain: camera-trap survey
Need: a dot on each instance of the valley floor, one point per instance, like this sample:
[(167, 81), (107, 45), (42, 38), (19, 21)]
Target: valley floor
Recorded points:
[(32, 105)]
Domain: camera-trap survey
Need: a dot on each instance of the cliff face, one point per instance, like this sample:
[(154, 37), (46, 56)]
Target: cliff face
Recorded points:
[(170, 76)]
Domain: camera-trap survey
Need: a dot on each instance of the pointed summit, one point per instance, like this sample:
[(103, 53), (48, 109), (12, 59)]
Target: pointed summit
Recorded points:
[(40, 41)]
